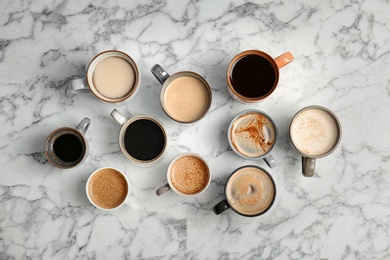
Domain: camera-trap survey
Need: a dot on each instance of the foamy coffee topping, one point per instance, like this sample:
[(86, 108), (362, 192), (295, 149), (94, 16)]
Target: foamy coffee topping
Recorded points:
[(186, 99), (250, 191), (113, 77), (252, 134), (189, 175), (314, 132), (107, 188)]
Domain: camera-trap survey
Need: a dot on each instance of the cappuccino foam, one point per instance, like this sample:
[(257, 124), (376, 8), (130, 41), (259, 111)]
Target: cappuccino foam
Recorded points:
[(252, 134), (314, 132), (250, 191), (113, 77), (186, 99)]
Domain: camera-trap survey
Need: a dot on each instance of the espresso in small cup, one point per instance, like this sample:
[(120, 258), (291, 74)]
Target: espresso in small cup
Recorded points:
[(112, 76), (185, 96), (250, 191), (107, 189), (142, 139), (252, 135), (67, 147), (315, 132), (253, 75), (188, 175)]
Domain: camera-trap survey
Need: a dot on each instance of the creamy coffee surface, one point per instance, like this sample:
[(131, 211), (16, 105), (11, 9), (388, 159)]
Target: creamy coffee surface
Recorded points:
[(107, 188), (252, 134), (186, 99), (250, 191), (189, 175), (113, 77), (314, 132)]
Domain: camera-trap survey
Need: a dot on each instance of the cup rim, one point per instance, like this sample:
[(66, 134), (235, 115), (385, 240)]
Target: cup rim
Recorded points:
[(248, 111), (246, 53), (188, 154), (123, 148), (273, 183), (46, 149), (178, 75), (90, 177), (133, 65), (335, 118)]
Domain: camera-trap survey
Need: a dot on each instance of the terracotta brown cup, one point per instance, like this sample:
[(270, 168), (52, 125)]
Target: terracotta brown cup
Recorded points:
[(112, 76), (108, 189), (67, 147), (253, 75), (185, 96), (315, 132)]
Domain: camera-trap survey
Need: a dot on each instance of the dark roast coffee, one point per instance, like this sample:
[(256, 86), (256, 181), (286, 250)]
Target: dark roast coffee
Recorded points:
[(253, 76), (144, 140), (68, 148)]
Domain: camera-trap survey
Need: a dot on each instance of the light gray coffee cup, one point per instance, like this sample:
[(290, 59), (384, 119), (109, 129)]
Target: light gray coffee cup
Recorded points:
[(246, 138), (314, 132)]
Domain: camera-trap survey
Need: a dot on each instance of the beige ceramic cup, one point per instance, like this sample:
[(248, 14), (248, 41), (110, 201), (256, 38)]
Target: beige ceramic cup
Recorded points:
[(119, 75), (253, 75)]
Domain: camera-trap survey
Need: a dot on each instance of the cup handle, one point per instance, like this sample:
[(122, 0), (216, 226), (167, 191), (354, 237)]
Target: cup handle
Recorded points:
[(308, 166), (78, 86), (118, 117), (160, 74), (220, 207), (160, 191), (270, 161), (131, 203), (84, 125), (284, 59)]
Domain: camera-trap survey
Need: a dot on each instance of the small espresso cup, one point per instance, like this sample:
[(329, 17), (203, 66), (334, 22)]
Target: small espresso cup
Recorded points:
[(66, 147), (315, 132), (253, 75), (252, 135), (185, 96), (142, 139), (188, 175), (250, 191), (112, 76), (108, 189)]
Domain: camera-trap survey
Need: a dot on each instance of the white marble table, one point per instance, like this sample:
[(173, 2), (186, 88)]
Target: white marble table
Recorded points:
[(342, 61)]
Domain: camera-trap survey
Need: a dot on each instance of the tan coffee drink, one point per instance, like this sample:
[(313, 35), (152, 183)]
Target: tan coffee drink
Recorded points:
[(189, 175), (113, 77), (107, 188), (186, 99), (250, 191), (252, 134)]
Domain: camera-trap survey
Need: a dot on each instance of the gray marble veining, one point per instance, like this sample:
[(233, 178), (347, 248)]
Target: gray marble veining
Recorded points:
[(342, 61)]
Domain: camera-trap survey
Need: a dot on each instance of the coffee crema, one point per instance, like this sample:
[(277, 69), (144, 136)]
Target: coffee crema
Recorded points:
[(113, 77), (314, 132), (250, 191), (189, 175), (253, 76), (252, 134), (186, 99), (108, 188)]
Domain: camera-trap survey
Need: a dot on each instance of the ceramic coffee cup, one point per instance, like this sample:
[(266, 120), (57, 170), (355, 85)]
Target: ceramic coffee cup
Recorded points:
[(252, 135), (185, 96), (249, 191), (315, 132), (112, 76), (66, 147), (253, 75), (108, 189), (188, 175), (142, 139)]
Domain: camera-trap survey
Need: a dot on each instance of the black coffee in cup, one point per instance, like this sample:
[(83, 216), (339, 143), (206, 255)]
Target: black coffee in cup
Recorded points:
[(144, 139), (69, 147)]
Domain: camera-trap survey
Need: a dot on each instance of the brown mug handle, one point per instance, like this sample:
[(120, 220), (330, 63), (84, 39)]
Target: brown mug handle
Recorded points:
[(284, 59)]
